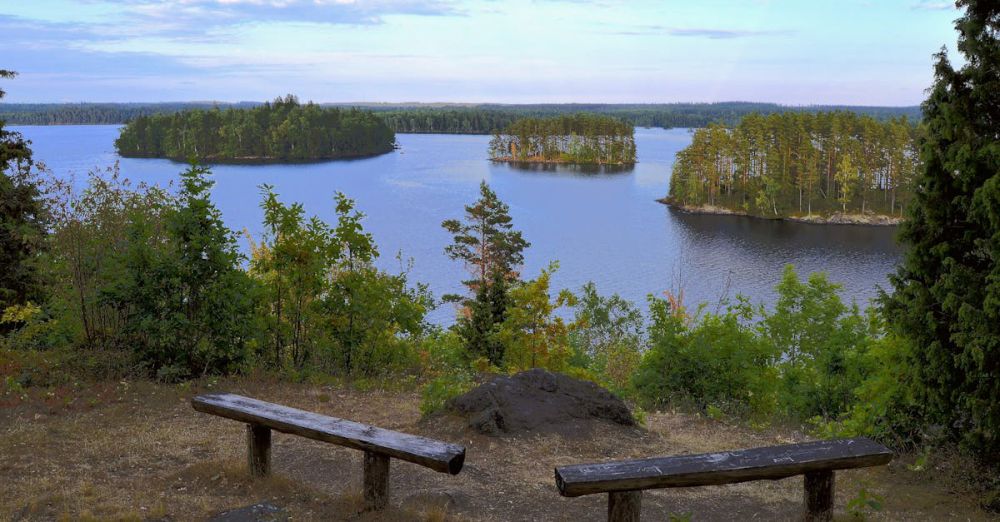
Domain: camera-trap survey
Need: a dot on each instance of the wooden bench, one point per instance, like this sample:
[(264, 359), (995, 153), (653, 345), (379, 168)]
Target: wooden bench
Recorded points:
[(378, 444), (625, 480)]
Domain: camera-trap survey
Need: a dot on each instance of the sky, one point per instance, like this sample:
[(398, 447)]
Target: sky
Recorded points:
[(796, 52)]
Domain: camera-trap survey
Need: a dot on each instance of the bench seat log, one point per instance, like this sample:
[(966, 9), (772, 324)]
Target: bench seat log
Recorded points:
[(725, 467), (436, 455)]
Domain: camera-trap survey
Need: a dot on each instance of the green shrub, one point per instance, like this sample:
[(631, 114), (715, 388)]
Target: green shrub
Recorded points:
[(716, 359), (437, 392)]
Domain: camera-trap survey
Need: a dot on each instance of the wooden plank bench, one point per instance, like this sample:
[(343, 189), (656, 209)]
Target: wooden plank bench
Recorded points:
[(624, 481), (378, 444)]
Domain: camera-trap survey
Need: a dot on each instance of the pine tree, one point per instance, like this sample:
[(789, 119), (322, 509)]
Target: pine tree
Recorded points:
[(947, 291), (492, 251)]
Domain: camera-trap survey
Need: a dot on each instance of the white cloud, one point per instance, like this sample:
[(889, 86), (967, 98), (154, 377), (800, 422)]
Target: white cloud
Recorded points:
[(929, 5)]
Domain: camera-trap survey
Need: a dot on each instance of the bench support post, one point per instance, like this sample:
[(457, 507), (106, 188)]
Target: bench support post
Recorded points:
[(624, 506), (259, 450), (376, 480), (819, 486)]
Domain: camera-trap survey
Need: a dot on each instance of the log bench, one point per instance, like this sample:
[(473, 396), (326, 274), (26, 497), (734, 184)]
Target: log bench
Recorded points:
[(378, 444), (624, 481)]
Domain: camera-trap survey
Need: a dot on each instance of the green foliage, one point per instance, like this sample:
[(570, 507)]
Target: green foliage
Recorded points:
[(863, 503), (534, 337), (717, 359), (325, 303), (442, 389), (189, 305), (946, 293), (580, 138), (799, 164), (30, 328), (23, 220), (491, 250), (280, 131), (606, 336), (822, 344), (87, 248), (430, 119), (806, 359)]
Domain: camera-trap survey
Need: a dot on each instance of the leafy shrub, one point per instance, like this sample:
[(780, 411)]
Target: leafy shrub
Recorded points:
[(606, 337), (190, 304), (717, 359), (806, 359), (437, 392)]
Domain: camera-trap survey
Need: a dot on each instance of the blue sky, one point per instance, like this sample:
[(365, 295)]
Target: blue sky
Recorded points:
[(864, 52)]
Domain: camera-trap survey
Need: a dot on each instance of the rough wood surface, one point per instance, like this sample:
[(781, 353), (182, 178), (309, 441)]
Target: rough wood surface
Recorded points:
[(624, 506), (434, 454), (259, 450), (725, 467), (819, 490), (376, 482)]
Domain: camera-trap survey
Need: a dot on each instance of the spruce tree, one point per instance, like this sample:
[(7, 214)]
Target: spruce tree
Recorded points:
[(947, 291), (23, 219)]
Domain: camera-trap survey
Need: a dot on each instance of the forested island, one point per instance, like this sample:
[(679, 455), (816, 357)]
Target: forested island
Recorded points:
[(581, 139), (448, 118), (284, 130), (824, 167)]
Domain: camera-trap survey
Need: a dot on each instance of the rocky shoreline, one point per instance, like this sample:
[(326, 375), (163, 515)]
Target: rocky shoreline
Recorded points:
[(837, 218)]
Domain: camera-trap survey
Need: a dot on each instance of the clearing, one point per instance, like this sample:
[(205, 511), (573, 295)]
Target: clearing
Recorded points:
[(138, 451)]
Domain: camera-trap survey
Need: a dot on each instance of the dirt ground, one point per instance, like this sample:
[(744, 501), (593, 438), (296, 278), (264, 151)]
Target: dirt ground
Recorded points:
[(137, 451)]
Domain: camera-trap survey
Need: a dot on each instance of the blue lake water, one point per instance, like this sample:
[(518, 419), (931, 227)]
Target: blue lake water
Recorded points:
[(605, 228)]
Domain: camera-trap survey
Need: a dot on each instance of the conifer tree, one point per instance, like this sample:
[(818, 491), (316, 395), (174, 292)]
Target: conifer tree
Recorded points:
[(23, 219), (947, 291), (492, 251)]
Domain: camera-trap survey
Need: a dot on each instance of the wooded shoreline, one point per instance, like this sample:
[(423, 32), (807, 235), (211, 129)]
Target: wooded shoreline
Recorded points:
[(258, 160), (837, 218)]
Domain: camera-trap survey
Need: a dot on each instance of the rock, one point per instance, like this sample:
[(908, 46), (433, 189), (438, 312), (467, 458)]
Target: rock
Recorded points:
[(539, 401), (259, 512)]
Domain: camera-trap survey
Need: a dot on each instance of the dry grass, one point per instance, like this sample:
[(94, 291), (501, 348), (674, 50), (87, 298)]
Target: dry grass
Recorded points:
[(144, 454)]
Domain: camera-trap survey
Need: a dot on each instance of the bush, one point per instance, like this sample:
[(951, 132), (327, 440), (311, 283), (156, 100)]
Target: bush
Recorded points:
[(190, 303), (439, 391), (806, 360), (718, 359)]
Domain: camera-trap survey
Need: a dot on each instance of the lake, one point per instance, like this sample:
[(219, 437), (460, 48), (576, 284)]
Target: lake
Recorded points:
[(601, 227)]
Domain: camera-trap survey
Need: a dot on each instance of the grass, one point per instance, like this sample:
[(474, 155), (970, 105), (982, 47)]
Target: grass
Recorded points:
[(141, 453)]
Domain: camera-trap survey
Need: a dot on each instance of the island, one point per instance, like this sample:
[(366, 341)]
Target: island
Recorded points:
[(280, 131), (826, 167), (579, 139)]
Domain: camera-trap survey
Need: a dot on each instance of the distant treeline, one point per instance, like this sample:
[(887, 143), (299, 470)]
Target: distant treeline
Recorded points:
[(584, 139), (450, 118), (280, 131), (799, 164), (96, 113)]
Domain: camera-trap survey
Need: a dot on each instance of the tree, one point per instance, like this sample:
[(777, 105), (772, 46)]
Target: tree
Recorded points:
[(325, 303), (189, 303), (533, 336), (491, 250), (23, 219), (86, 249), (606, 335), (946, 293)]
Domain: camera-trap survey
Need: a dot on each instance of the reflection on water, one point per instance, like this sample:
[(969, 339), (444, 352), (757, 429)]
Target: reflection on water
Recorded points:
[(567, 168), (778, 235), (603, 228)]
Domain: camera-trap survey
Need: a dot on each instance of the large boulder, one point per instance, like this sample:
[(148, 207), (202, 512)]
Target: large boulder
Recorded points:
[(539, 401)]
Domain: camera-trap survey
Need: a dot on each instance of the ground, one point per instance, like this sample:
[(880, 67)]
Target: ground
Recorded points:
[(137, 451)]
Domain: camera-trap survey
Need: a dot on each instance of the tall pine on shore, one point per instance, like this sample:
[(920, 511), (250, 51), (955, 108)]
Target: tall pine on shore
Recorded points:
[(947, 291), (491, 250)]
